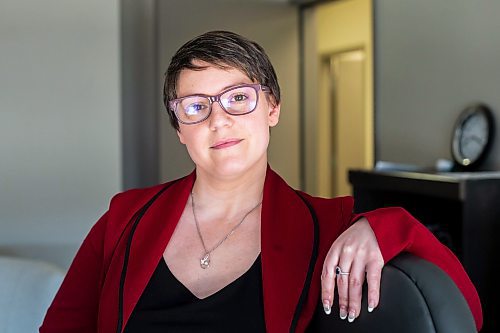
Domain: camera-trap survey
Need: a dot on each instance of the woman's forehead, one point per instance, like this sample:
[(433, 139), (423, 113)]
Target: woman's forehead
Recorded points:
[(209, 79)]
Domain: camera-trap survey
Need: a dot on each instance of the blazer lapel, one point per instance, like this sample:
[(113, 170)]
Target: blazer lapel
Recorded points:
[(149, 242), (151, 238), (287, 242)]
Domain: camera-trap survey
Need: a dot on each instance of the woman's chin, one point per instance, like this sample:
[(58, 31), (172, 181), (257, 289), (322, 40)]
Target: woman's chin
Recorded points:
[(235, 168)]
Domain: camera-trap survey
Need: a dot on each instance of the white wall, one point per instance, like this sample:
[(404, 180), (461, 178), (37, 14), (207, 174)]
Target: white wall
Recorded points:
[(59, 122), (272, 25)]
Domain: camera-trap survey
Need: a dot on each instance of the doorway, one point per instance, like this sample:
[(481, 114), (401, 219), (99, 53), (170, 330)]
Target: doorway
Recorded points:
[(346, 117)]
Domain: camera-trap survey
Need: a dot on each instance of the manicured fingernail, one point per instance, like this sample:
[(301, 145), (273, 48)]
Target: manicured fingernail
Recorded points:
[(343, 313), (326, 307), (371, 306), (351, 317)]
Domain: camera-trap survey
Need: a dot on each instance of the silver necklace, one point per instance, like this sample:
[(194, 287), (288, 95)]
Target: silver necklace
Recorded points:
[(205, 260)]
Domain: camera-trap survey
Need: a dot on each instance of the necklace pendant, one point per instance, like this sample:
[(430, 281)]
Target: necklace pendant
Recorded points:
[(205, 261)]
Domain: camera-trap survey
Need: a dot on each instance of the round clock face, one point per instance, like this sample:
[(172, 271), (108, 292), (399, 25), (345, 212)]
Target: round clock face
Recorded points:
[(472, 136)]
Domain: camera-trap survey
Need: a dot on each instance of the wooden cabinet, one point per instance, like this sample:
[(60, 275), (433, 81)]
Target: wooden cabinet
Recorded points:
[(461, 209)]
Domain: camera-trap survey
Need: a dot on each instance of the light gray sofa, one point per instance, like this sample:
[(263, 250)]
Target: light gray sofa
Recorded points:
[(27, 288)]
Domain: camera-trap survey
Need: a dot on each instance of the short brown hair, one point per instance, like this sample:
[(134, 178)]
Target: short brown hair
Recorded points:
[(222, 49)]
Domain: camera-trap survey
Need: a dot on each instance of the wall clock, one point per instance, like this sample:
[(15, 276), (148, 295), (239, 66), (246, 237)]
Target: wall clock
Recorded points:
[(472, 137)]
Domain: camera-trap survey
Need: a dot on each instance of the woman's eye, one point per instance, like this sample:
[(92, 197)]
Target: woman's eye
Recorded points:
[(239, 98), (194, 109)]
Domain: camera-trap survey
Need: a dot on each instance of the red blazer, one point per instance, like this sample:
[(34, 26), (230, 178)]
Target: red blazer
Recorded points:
[(87, 300)]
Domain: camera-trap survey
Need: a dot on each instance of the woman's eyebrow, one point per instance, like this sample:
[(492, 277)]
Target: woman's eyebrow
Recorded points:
[(234, 85), (223, 89)]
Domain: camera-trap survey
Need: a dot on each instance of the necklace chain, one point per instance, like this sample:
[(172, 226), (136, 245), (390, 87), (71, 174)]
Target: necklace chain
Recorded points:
[(205, 261)]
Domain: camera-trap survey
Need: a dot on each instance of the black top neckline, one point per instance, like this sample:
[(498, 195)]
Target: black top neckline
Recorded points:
[(235, 281), (166, 305)]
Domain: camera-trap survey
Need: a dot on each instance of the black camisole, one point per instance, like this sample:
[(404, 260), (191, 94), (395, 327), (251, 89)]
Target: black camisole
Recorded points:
[(166, 305)]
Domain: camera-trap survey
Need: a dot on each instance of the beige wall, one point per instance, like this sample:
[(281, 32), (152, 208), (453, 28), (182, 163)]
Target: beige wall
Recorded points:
[(275, 27), (331, 28)]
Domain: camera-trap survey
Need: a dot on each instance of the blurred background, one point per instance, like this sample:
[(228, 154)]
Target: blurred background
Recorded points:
[(81, 113)]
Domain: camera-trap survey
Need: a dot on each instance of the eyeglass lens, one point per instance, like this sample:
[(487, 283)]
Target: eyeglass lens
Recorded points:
[(236, 101)]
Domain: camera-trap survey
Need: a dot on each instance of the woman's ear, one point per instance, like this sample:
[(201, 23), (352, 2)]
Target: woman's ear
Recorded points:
[(181, 137), (274, 114)]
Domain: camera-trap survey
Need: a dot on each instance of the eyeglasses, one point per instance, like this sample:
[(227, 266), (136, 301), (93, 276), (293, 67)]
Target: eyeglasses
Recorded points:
[(236, 101)]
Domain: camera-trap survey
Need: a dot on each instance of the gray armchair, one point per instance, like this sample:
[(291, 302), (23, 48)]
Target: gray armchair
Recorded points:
[(416, 297), (27, 288)]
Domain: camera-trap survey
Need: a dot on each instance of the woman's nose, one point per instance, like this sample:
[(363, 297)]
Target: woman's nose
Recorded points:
[(219, 118)]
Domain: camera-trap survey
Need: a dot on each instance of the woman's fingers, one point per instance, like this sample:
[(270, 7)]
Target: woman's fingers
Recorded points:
[(328, 282), (349, 282), (356, 279), (343, 285), (373, 277)]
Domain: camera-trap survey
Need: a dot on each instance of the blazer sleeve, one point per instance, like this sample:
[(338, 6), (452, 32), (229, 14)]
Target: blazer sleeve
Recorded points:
[(397, 231), (74, 308)]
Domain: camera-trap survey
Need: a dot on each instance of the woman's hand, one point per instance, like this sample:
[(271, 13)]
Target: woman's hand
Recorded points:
[(355, 251)]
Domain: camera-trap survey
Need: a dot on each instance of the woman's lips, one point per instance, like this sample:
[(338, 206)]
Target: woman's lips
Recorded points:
[(226, 143)]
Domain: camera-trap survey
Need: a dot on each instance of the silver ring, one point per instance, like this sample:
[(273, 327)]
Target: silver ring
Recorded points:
[(338, 271)]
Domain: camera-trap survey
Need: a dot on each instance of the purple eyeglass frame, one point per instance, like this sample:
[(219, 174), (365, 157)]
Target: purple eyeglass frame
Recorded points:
[(216, 98)]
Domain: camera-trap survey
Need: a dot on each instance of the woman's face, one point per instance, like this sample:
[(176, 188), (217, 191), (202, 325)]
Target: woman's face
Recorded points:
[(223, 145)]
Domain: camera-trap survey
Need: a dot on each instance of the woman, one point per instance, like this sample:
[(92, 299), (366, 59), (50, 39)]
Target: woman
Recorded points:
[(231, 246)]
